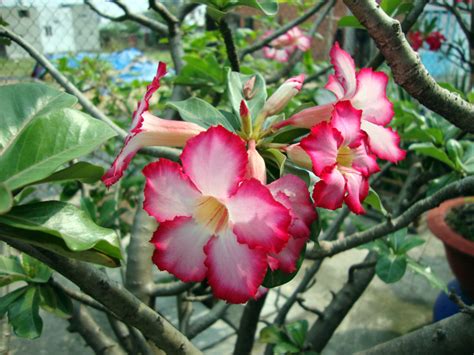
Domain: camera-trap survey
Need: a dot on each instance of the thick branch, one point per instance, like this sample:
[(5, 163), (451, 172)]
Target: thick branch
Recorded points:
[(453, 335), (229, 45), (83, 323), (163, 11), (115, 297), (323, 329), (408, 71), (459, 188), (283, 29), (248, 326), (208, 319), (88, 106)]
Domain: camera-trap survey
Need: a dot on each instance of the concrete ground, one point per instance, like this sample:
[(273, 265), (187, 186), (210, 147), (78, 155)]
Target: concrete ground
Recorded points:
[(383, 312)]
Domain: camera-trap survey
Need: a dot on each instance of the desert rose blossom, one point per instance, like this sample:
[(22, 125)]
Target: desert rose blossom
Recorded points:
[(366, 90), (435, 39), (149, 130), (341, 159), (214, 223), (416, 39), (282, 47), (292, 193)]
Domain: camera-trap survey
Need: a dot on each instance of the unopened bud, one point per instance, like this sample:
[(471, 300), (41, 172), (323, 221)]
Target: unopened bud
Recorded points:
[(256, 165), (280, 98), (248, 88), (299, 156), (245, 118)]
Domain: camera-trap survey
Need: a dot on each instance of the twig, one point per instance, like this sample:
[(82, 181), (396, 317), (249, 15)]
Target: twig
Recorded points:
[(301, 300), (113, 296), (200, 298), (455, 189), (170, 289), (229, 45), (317, 75), (78, 296), (121, 333), (453, 296), (407, 69), (208, 319), (163, 11), (260, 44)]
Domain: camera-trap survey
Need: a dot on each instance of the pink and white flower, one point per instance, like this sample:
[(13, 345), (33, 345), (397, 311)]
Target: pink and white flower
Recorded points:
[(149, 130), (292, 193), (214, 223), (282, 96), (282, 47), (366, 90), (341, 158)]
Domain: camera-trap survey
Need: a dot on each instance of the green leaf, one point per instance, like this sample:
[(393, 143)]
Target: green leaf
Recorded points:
[(350, 21), (285, 348), (428, 149), (200, 112), (55, 301), (297, 332), (6, 199), (22, 103), (278, 277), (235, 85), (276, 157), (270, 335), (288, 134), (427, 273), (390, 268), (389, 6), (63, 226), (23, 315), (47, 143), (219, 8), (35, 269), (202, 71), (268, 7), (9, 298), (82, 171), (375, 202)]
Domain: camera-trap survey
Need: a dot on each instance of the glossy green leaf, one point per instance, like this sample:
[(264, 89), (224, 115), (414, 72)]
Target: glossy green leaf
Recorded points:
[(202, 71), (11, 270), (275, 157), (271, 335), (9, 298), (390, 268), (35, 269), (268, 7), (55, 301), (6, 199), (47, 143), (288, 134), (373, 200), (428, 149), (428, 274), (389, 6), (278, 277), (285, 348), (82, 171), (235, 85), (350, 21), (23, 315), (296, 331), (63, 225), (200, 112), (22, 103)]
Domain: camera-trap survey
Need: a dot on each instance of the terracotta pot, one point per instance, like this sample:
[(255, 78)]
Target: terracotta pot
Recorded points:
[(459, 250)]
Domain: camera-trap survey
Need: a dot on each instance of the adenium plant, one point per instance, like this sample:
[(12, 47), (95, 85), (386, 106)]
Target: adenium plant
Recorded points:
[(219, 218)]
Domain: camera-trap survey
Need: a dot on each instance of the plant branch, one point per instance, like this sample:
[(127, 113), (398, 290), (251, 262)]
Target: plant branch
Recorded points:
[(248, 326), (208, 319), (459, 188), (408, 71), (260, 44), (226, 33), (141, 19), (170, 289), (453, 335), (78, 296), (115, 297), (163, 11)]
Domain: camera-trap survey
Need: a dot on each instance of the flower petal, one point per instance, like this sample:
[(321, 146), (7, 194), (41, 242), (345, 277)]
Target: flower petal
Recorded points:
[(322, 146), (168, 192), (371, 97), (344, 69), (259, 221), (335, 86), (346, 119), (215, 161), (329, 192), (180, 248), (357, 187), (383, 141), (299, 156), (297, 201), (364, 161), (286, 259), (235, 272), (309, 117)]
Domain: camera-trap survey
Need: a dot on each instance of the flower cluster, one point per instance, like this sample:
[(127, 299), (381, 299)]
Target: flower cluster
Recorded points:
[(346, 135), (218, 220), (434, 40), (282, 47)]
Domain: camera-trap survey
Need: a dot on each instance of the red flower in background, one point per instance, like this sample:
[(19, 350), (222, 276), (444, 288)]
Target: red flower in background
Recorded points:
[(415, 39), (435, 40)]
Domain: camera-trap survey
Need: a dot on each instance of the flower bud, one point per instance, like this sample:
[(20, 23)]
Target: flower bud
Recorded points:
[(299, 156), (256, 166), (280, 98), (245, 118), (248, 88)]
